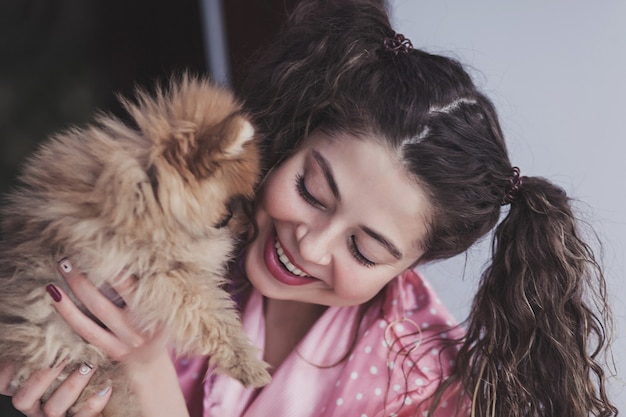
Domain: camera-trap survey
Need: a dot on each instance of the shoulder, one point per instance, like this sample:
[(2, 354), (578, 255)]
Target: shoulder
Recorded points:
[(405, 350), (422, 338), (419, 328), (411, 299)]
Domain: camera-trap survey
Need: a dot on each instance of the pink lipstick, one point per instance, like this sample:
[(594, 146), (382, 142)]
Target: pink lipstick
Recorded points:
[(278, 270)]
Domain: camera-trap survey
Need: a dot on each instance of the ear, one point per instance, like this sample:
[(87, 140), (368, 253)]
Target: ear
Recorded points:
[(240, 137)]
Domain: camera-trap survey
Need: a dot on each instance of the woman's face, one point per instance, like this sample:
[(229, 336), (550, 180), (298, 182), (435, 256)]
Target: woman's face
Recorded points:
[(337, 221)]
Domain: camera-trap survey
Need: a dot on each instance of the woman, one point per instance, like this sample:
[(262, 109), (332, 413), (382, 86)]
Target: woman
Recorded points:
[(378, 157)]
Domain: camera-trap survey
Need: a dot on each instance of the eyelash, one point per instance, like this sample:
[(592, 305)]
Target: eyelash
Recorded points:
[(304, 193), (357, 254), (306, 196)]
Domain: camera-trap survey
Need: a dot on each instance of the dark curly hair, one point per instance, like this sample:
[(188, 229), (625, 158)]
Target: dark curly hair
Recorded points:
[(540, 318)]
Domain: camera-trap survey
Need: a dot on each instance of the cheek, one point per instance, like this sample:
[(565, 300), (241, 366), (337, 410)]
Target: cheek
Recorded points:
[(357, 288), (279, 198)]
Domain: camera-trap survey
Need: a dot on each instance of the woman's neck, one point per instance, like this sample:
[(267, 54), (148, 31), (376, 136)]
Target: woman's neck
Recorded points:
[(286, 324)]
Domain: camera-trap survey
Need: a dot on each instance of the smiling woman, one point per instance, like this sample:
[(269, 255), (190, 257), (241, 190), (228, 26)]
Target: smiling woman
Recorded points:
[(331, 214), (378, 157)]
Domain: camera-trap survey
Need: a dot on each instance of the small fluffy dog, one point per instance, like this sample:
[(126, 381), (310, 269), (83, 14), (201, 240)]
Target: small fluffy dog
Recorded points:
[(156, 198)]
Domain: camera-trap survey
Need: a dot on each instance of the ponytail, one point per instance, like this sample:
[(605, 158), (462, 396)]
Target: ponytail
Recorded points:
[(535, 329)]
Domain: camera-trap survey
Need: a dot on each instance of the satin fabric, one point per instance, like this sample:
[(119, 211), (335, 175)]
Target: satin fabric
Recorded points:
[(395, 365)]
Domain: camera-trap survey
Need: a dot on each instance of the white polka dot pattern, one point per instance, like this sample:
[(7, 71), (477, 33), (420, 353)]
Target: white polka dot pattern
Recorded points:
[(375, 381)]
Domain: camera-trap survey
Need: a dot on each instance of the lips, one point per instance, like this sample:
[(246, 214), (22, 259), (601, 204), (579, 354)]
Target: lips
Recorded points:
[(278, 269), (284, 259)]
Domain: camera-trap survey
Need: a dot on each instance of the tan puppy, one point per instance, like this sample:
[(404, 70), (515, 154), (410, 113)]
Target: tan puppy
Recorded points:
[(155, 200)]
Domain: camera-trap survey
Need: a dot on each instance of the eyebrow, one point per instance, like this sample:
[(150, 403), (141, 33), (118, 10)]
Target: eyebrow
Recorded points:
[(395, 252), (328, 173), (330, 178)]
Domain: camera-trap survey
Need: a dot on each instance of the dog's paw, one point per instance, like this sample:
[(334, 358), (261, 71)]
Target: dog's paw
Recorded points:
[(251, 373)]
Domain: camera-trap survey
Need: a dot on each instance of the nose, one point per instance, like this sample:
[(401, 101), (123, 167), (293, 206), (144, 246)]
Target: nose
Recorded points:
[(315, 242)]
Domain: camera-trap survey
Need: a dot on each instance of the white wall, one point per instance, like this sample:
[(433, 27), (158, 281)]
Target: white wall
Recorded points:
[(557, 73)]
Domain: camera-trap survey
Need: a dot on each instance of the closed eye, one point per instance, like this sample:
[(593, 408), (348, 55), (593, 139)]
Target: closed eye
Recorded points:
[(305, 194), (230, 207), (224, 221), (357, 253)]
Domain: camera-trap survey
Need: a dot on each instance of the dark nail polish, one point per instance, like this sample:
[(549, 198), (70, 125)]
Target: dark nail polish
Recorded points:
[(54, 292)]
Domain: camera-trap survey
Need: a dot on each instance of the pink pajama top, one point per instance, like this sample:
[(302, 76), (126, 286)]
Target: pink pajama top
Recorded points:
[(395, 365)]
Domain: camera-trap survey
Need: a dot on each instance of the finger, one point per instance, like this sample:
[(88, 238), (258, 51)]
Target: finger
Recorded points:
[(124, 285), (94, 405), (85, 326), (119, 289), (110, 293), (7, 371), (68, 392), (114, 318), (27, 398)]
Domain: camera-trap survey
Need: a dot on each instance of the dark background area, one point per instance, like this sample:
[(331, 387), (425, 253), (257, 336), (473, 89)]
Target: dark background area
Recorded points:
[(62, 61)]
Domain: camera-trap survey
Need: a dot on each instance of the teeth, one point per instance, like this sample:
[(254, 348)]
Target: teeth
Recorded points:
[(286, 262)]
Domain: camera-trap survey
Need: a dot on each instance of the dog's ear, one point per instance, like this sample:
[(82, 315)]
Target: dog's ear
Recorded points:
[(201, 150), (238, 132), (226, 141)]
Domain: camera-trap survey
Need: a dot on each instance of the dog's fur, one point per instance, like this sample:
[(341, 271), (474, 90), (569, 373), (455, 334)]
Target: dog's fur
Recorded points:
[(147, 199)]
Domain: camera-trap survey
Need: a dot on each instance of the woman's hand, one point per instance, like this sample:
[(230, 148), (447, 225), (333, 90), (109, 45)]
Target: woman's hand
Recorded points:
[(27, 399), (153, 377), (120, 341)]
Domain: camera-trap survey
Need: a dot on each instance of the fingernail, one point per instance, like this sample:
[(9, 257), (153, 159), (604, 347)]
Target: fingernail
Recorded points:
[(65, 265), (54, 292), (85, 368), (104, 391)]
